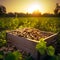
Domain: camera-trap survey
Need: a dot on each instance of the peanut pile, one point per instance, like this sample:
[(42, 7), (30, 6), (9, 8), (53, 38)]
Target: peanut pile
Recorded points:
[(31, 33)]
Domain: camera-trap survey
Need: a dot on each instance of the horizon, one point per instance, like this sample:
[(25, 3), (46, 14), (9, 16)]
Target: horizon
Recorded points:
[(24, 6)]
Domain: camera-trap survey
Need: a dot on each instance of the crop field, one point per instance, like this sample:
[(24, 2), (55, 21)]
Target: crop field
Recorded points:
[(42, 23), (51, 24)]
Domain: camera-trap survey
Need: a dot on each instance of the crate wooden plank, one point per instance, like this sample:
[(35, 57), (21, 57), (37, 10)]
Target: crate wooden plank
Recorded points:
[(27, 44)]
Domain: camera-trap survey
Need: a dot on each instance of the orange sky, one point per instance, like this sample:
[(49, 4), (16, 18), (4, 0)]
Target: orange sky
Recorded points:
[(45, 6)]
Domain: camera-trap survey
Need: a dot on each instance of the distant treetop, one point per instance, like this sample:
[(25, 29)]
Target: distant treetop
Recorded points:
[(2, 9)]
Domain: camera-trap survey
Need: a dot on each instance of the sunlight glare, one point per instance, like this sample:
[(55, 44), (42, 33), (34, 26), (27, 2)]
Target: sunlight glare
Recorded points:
[(34, 7)]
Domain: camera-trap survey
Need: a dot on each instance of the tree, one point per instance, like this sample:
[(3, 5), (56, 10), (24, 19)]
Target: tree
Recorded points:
[(57, 8), (56, 11), (2, 10), (10, 14)]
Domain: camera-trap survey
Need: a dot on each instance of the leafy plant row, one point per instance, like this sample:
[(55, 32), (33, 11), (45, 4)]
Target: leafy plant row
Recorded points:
[(42, 23)]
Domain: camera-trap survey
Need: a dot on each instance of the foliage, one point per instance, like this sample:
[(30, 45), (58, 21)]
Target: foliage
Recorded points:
[(43, 49), (36, 22), (14, 56), (50, 51), (2, 9), (2, 38), (2, 35), (1, 54), (41, 46), (55, 57), (2, 42), (18, 55), (58, 57), (51, 24)]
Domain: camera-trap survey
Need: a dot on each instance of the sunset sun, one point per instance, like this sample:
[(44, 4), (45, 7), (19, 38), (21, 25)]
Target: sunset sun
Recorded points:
[(34, 7)]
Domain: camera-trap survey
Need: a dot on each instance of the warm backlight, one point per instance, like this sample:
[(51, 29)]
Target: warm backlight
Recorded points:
[(34, 7)]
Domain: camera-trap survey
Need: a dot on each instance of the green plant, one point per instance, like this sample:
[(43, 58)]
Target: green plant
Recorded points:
[(58, 57), (1, 57), (18, 55), (1, 54), (10, 56), (43, 49), (50, 51), (13, 56), (2, 38), (41, 46), (2, 42), (2, 35)]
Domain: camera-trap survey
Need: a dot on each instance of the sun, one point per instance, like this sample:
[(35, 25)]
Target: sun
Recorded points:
[(34, 7)]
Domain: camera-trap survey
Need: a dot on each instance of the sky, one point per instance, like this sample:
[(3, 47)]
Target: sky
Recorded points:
[(45, 6)]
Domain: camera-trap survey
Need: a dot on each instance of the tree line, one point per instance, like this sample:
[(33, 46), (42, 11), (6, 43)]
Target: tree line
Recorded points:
[(36, 13)]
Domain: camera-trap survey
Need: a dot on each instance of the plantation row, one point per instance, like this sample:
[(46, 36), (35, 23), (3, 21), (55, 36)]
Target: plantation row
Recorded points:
[(42, 23)]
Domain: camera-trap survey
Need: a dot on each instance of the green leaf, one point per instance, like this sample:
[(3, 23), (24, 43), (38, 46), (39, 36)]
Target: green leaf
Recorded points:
[(50, 51), (18, 55), (1, 56), (14, 56), (2, 42), (10, 56), (41, 46), (58, 57)]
